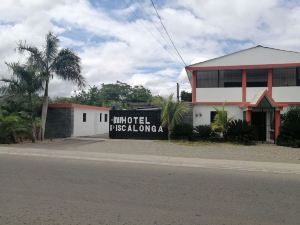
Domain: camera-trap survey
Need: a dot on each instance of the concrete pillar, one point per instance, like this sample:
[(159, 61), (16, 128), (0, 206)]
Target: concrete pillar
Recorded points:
[(194, 84)]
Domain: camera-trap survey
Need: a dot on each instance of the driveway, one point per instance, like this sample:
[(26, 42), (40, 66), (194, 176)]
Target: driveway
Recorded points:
[(260, 152)]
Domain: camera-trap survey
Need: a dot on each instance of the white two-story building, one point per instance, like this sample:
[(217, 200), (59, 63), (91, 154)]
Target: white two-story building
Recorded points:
[(255, 84)]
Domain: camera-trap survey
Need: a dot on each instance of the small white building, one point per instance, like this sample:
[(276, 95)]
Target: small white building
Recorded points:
[(255, 84), (73, 120)]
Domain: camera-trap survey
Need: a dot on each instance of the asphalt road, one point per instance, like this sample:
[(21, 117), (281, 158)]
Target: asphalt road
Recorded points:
[(46, 191)]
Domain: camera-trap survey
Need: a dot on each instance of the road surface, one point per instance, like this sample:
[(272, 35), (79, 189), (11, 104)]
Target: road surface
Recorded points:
[(38, 190)]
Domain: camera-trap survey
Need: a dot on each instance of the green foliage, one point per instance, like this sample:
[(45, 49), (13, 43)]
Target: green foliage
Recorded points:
[(118, 94), (22, 88), (186, 96), (290, 128), (182, 131), (13, 128), (203, 132), (221, 121), (157, 101), (172, 113), (50, 61), (240, 131)]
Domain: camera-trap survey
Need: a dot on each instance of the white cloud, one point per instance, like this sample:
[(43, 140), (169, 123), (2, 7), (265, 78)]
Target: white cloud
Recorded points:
[(115, 45)]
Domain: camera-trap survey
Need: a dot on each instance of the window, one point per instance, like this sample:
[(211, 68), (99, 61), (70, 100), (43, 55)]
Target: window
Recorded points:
[(298, 76), (257, 78), (105, 117), (212, 116), (100, 118), (284, 77), (84, 117), (230, 78), (207, 79)]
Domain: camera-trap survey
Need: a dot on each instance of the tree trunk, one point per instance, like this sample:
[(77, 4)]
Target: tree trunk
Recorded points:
[(169, 136), (44, 111), (33, 131)]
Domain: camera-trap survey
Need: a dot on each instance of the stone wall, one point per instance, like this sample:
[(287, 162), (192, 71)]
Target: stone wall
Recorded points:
[(60, 123)]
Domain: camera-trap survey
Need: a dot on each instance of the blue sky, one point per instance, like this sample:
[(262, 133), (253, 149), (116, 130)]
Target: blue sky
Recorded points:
[(123, 39)]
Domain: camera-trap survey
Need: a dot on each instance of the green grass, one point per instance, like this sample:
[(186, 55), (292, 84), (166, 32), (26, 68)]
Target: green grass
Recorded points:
[(201, 143)]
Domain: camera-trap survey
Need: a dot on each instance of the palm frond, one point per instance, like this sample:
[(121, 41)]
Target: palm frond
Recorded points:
[(172, 112), (51, 48), (67, 67), (36, 56)]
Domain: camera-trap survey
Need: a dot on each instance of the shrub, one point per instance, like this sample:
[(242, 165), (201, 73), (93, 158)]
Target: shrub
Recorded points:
[(13, 129), (203, 132), (240, 131), (290, 128), (182, 131)]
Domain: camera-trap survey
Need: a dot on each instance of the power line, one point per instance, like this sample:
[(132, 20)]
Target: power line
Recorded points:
[(167, 32), (153, 36)]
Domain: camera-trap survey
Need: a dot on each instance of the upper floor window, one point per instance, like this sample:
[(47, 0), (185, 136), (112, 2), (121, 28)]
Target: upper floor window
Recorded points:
[(207, 79), (285, 77), (257, 78), (221, 78), (298, 76), (230, 78)]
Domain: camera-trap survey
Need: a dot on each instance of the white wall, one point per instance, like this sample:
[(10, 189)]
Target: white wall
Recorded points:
[(92, 126), (286, 94), (219, 94), (253, 92), (201, 113)]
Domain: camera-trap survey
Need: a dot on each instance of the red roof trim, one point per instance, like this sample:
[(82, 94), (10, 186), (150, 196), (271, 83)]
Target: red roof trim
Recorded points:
[(247, 104), (262, 66), (217, 103), (268, 96), (78, 106)]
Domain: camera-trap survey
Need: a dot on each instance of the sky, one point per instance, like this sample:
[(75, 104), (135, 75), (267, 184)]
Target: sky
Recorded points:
[(123, 40)]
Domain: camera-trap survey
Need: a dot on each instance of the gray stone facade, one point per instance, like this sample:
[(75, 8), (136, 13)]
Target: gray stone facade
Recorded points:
[(60, 123)]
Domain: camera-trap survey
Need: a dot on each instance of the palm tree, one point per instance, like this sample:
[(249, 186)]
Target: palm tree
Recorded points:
[(172, 114), (221, 121), (25, 82), (50, 61)]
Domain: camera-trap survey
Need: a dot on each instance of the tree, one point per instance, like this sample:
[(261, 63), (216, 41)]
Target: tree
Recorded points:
[(221, 121), (290, 128), (172, 114), (118, 94), (51, 61), (25, 82), (186, 96), (139, 93)]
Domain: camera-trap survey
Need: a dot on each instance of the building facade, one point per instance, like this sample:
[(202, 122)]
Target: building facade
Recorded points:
[(74, 120), (256, 84)]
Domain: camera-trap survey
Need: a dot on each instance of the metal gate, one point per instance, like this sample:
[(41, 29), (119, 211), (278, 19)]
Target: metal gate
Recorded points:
[(136, 124)]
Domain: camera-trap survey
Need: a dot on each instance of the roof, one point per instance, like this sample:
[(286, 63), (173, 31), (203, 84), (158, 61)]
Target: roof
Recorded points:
[(258, 55), (264, 94), (255, 57), (79, 106)]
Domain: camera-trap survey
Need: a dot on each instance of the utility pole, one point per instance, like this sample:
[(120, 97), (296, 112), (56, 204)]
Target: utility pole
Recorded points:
[(177, 92)]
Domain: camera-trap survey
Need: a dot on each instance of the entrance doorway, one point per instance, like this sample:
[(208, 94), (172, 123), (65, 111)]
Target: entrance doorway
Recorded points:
[(259, 122)]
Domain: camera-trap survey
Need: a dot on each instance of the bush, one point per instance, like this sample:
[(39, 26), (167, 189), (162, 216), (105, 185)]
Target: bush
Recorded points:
[(183, 131), (13, 129), (290, 128), (240, 131), (204, 132)]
